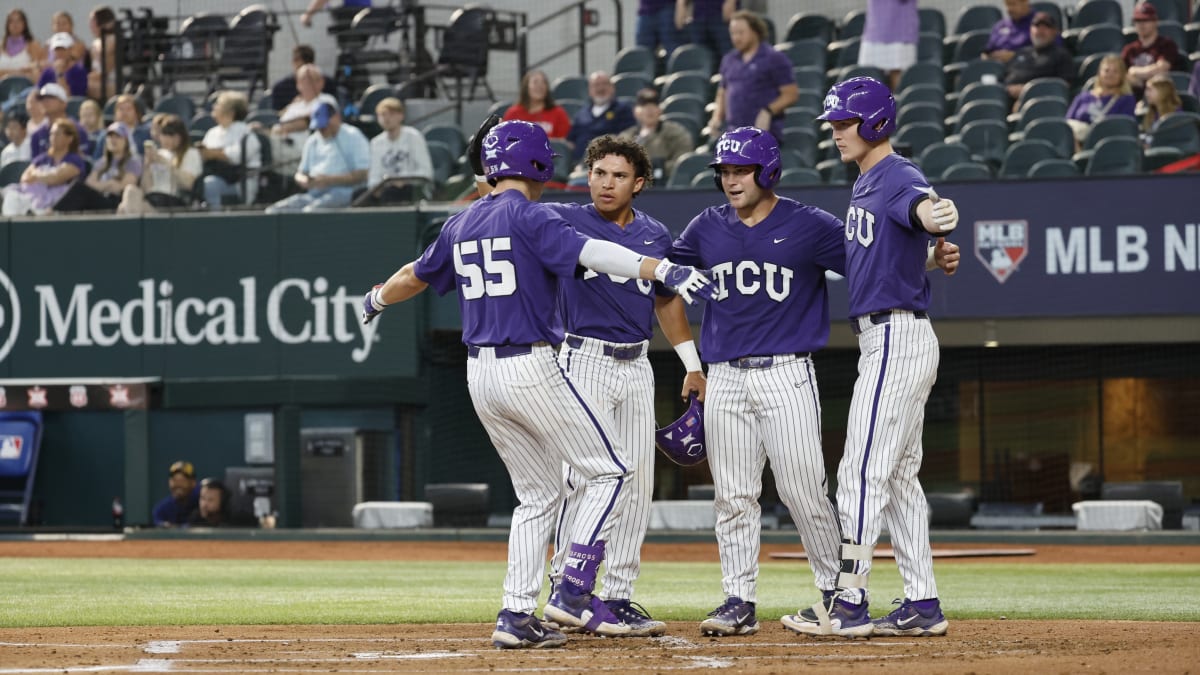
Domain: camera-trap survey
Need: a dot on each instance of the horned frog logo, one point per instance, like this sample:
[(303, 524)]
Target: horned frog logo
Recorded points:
[(10, 315), (833, 102)]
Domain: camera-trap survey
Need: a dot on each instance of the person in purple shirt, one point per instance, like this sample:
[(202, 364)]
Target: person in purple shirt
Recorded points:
[(656, 26), (757, 83), (889, 40), (504, 256), (1111, 94), (707, 22), (895, 229), (54, 101), (64, 68), (1011, 33)]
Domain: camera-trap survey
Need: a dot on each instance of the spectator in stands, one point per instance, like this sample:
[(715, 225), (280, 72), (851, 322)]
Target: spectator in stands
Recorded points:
[(707, 23), (602, 114), (222, 152), (62, 22), (129, 110), (1161, 99), (1151, 53), (536, 104), (317, 5), (656, 26), (401, 168), (169, 172), (103, 23), (91, 120), (20, 54), (333, 165), (1044, 57), (757, 83), (49, 175), (290, 133), (176, 509), (212, 507), (54, 102), (889, 39), (120, 167), (64, 69), (1110, 95), (18, 148), (36, 112), (284, 90), (1010, 34), (663, 140)]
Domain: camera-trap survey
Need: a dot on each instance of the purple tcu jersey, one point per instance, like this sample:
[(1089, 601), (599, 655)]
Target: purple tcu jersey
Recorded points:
[(504, 255), (885, 250), (606, 306), (778, 263)]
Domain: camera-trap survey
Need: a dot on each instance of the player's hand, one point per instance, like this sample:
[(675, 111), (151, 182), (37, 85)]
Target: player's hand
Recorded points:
[(372, 304), (945, 215), (475, 149), (946, 255), (694, 383), (690, 283)]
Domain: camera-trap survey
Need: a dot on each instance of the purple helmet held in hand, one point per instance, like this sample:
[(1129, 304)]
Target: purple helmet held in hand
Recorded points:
[(747, 146), (517, 149), (863, 98), (682, 441)]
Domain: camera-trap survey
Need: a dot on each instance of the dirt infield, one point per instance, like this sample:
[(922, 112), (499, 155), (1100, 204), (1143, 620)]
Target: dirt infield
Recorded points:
[(971, 646)]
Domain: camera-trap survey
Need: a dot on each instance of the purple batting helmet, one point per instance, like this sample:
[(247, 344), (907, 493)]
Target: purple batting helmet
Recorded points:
[(682, 441), (863, 98), (747, 146), (517, 148)]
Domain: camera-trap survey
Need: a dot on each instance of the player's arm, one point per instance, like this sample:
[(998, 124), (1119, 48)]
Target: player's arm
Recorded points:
[(609, 258), (675, 326), (935, 215), (399, 287)]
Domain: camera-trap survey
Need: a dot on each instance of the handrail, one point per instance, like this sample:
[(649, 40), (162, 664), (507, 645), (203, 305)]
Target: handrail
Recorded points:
[(523, 65)]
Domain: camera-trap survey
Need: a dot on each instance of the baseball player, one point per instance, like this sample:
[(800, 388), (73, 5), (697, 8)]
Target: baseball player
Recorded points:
[(893, 219), (504, 255), (608, 324)]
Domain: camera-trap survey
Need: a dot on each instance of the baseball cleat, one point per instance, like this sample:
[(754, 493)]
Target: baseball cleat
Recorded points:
[(735, 617), (517, 630), (637, 618), (571, 607), (832, 616), (553, 625), (913, 618)]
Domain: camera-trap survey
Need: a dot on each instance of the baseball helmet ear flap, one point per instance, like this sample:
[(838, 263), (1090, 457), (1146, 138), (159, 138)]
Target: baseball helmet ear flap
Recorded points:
[(682, 441), (747, 146)]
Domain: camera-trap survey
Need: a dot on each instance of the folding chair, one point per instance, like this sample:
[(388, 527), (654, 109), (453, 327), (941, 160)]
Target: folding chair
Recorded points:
[(20, 442)]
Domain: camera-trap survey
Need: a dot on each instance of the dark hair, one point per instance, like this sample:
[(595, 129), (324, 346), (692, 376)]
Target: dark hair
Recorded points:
[(634, 153), (27, 34), (524, 95), (173, 125), (754, 21), (19, 116), (214, 484), (105, 16), (106, 161), (647, 95), (305, 53)]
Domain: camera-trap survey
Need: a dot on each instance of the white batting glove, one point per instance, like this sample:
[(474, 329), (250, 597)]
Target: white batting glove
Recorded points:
[(691, 284), (945, 215), (373, 305)]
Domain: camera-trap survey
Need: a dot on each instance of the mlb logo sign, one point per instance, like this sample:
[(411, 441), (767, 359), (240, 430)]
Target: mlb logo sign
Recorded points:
[(1001, 245), (10, 447)]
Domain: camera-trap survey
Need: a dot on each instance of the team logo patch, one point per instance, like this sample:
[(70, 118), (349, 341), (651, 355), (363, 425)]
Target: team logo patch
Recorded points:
[(37, 397), (10, 447), (79, 396), (1001, 245)]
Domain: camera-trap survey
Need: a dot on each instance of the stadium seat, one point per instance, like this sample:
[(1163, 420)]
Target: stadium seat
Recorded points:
[(833, 172), (1179, 130), (1154, 159), (1053, 168), (450, 134), (968, 46), (1021, 157), (1117, 156), (857, 70), (929, 48), (804, 53), (687, 82), (912, 113), (1088, 67), (498, 107), (11, 173), (923, 74), (562, 160), (987, 139), (1056, 132), (810, 26), (687, 167), (852, 24), (686, 103), (1101, 39), (701, 181), (443, 161), (1166, 493), (1042, 87), (967, 171), (686, 121), (919, 136), (977, 110), (202, 122), (267, 118), (1095, 12), (843, 53), (183, 106), (921, 93), (1114, 125), (1051, 8), (976, 70), (692, 57), (1169, 10), (803, 142), (635, 59), (932, 21), (570, 86), (979, 91), (20, 444), (372, 96), (799, 176), (976, 17), (810, 79), (1182, 80), (628, 85), (938, 157), (1036, 109)]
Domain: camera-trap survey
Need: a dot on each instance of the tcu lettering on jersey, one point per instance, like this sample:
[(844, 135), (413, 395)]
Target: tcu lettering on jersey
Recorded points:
[(747, 278), (643, 285), (860, 225), (490, 276)]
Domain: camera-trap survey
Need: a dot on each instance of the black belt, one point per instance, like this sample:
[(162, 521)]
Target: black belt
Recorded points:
[(883, 317), (626, 353), (505, 351), (763, 361)]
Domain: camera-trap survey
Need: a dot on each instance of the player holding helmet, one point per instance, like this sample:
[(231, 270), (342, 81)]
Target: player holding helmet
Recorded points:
[(894, 217), (504, 255)]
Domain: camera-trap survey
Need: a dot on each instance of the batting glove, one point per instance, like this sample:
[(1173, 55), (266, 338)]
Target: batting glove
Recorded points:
[(372, 304), (690, 283), (945, 215), (475, 149)]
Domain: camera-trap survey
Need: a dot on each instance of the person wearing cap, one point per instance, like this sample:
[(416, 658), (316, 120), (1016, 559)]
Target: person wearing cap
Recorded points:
[(176, 509), (64, 69), (664, 140), (1010, 34), (222, 152), (1151, 53), (757, 83), (1044, 57), (334, 163), (62, 22), (53, 98), (117, 169)]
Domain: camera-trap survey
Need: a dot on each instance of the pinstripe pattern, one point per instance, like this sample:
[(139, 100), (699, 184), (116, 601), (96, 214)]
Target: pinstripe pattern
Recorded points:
[(537, 420), (623, 391), (877, 479), (768, 414)]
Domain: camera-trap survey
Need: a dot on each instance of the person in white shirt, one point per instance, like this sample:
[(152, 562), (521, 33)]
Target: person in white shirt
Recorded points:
[(17, 149), (333, 165), (401, 168), (221, 150), (168, 173), (290, 133)]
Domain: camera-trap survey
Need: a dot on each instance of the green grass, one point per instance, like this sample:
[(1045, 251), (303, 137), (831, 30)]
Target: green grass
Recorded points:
[(95, 592)]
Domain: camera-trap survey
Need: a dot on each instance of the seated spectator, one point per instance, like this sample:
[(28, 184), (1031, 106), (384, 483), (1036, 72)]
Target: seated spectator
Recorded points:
[(707, 23), (117, 169), (53, 102), (36, 112), (289, 135), (221, 150), (1151, 53), (20, 54), (536, 104), (49, 175), (64, 69), (284, 91), (757, 83), (602, 114), (176, 509), (889, 40), (129, 110), (401, 168), (1161, 99), (169, 172), (663, 140), (334, 164), (102, 22), (1044, 57), (1012, 33), (91, 121), (62, 22), (17, 149), (1110, 95)]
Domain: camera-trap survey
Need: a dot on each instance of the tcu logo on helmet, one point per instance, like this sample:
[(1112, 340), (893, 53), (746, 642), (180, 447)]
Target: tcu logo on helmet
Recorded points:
[(832, 102), (729, 145)]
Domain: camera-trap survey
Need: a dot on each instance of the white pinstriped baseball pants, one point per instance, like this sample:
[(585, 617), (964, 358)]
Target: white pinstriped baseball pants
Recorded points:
[(877, 479), (538, 418), (751, 416), (624, 391)]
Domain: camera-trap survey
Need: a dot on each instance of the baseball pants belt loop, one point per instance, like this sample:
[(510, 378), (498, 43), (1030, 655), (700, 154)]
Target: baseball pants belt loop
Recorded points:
[(617, 352), (747, 362), (858, 323), (504, 351)]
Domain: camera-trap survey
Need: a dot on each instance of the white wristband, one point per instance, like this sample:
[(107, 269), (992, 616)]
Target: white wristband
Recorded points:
[(480, 179), (930, 261), (377, 296), (660, 270), (687, 353)]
